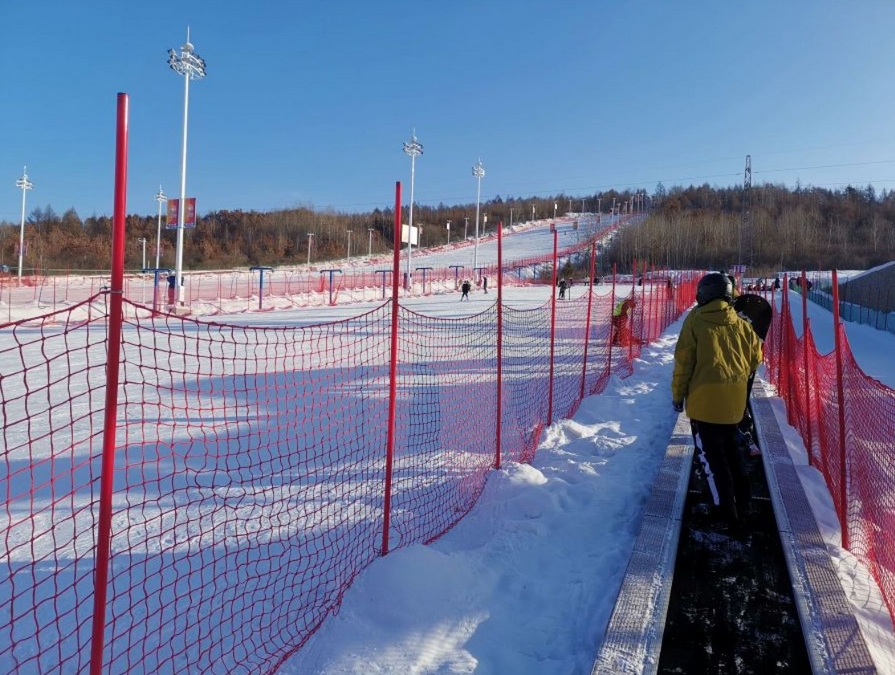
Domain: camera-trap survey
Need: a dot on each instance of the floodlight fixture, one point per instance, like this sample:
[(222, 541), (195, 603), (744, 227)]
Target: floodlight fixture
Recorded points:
[(189, 64), (478, 171), (161, 198), (414, 149), (24, 185)]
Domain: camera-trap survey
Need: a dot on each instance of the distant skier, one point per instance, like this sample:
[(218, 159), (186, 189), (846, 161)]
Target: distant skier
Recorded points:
[(465, 289), (562, 289), (485, 284)]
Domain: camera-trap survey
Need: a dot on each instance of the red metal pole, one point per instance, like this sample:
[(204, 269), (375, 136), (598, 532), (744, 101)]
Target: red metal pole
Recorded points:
[(590, 300), (631, 312), (393, 374), (499, 340), (784, 306), (104, 532), (805, 330), (611, 314), (840, 392), (552, 329)]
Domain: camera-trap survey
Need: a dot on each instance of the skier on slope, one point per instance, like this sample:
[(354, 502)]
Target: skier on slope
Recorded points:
[(714, 357), (465, 286)]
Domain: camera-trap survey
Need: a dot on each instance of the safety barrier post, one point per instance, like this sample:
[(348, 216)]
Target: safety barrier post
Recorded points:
[(393, 373), (611, 314), (590, 300), (499, 340), (840, 393), (784, 302), (805, 330), (552, 329), (116, 291), (631, 312)]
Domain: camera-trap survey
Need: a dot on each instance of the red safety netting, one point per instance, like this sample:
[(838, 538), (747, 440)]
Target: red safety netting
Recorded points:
[(845, 419), (250, 465)]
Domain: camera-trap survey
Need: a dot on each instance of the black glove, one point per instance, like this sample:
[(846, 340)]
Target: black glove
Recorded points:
[(678, 406)]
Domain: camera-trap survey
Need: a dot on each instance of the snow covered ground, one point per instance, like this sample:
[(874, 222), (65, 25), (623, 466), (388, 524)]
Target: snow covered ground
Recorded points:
[(525, 584)]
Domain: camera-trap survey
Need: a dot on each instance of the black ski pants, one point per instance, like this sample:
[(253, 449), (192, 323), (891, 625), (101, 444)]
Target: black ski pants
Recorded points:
[(727, 463)]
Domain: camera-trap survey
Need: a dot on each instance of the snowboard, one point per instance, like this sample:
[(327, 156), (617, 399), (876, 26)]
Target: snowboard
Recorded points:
[(756, 310)]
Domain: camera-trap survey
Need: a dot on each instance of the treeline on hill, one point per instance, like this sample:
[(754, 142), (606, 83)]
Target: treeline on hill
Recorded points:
[(226, 239), (693, 227), (804, 228)]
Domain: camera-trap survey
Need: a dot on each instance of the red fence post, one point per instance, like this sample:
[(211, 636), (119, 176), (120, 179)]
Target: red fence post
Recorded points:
[(590, 300), (499, 340), (631, 313), (552, 330), (611, 310), (807, 371), (393, 374), (116, 291), (840, 393)]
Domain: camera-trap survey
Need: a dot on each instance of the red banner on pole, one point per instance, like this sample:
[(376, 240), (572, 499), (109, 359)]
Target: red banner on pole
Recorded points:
[(173, 213), (189, 217)]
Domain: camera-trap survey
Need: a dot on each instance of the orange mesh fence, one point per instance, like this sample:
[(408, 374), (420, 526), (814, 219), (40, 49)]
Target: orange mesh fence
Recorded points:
[(250, 467), (848, 437)]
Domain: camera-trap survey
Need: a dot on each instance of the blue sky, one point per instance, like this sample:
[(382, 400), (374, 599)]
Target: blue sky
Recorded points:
[(309, 103)]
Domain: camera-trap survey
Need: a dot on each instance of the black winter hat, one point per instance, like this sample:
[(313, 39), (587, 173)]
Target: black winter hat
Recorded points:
[(712, 286)]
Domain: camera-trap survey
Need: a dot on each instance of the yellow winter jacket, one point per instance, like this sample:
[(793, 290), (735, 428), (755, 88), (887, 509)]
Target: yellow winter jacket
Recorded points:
[(715, 354)]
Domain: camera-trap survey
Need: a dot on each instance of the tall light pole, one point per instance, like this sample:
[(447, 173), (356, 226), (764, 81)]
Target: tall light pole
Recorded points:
[(24, 185), (161, 199), (555, 206), (448, 228), (511, 217), (349, 245), (532, 211), (310, 235), (192, 67), (142, 240), (370, 243), (478, 171), (465, 227), (413, 148)]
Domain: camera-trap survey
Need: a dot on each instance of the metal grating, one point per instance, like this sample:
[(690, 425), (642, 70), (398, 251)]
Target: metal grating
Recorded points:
[(633, 637)]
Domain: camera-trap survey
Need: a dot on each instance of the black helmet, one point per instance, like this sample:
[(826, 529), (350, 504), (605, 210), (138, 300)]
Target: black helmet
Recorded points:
[(712, 286)]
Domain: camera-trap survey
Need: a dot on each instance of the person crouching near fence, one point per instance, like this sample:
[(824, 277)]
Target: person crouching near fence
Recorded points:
[(715, 354)]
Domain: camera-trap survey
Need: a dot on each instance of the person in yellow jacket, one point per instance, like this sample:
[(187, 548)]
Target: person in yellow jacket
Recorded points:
[(621, 321), (716, 353)]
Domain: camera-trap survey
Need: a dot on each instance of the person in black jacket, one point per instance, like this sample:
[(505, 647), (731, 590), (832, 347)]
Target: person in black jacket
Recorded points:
[(465, 286)]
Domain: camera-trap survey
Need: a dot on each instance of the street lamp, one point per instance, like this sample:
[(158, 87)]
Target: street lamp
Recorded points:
[(413, 148), (465, 227), (192, 67), (448, 228), (142, 240), (511, 217), (554, 210), (24, 185), (349, 245), (532, 211), (310, 234), (478, 171), (370, 244), (160, 198)]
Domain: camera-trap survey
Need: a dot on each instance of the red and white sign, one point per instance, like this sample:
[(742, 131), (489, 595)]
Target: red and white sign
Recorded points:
[(189, 218)]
